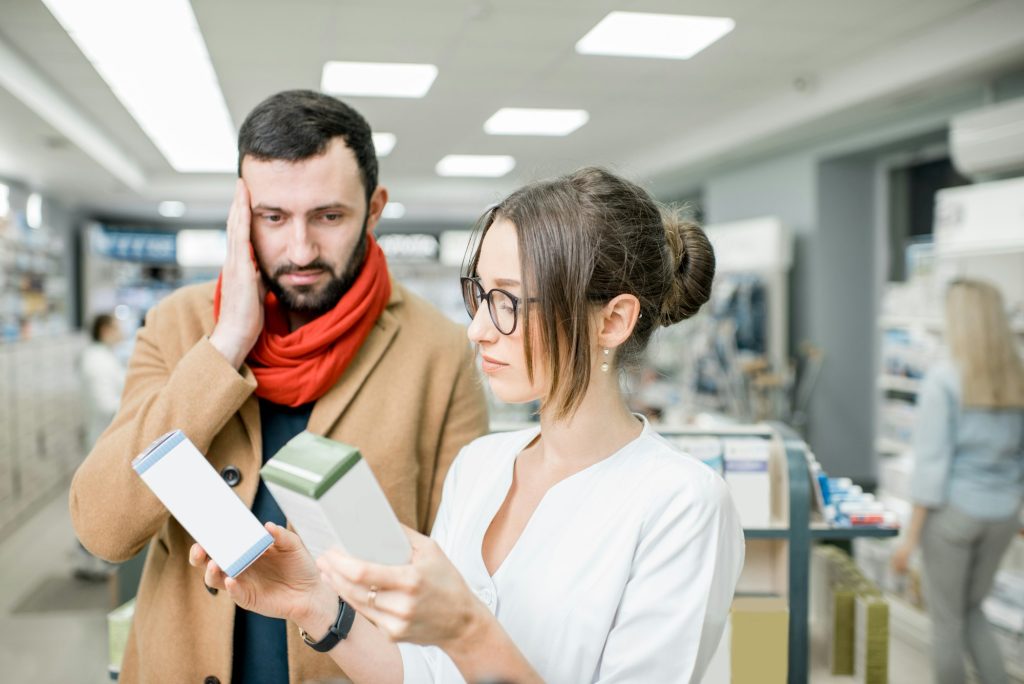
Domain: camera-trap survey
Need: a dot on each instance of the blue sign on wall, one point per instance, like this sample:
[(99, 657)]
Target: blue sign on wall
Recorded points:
[(158, 248)]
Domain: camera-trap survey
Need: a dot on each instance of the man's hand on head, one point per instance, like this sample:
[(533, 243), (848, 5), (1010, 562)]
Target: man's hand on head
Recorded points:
[(242, 288)]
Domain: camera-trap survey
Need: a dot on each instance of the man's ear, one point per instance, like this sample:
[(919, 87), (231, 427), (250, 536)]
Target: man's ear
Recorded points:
[(617, 319), (378, 200)]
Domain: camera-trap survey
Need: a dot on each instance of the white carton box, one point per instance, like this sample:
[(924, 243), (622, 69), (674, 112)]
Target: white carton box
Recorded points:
[(202, 502), (747, 474)]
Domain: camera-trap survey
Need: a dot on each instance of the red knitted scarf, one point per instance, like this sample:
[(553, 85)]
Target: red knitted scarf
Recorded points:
[(294, 368)]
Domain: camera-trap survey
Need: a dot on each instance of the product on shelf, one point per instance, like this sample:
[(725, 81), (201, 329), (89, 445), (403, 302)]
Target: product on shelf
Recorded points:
[(747, 474), (871, 641), (851, 612)]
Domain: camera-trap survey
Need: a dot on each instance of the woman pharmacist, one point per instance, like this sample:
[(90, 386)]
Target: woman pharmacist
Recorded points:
[(968, 479), (584, 550)]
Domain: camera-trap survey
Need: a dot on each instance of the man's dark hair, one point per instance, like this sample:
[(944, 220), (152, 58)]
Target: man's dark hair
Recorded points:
[(298, 124)]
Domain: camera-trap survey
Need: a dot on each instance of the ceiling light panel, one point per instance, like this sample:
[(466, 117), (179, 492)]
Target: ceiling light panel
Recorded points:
[(171, 209), (482, 165), (666, 36), (514, 121), (153, 57), (375, 79), (34, 210), (383, 143)]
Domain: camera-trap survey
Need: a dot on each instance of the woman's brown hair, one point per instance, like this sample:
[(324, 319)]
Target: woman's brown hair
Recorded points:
[(585, 238)]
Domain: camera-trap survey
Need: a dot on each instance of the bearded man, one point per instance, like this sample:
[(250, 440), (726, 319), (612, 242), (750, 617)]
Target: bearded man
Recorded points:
[(304, 329)]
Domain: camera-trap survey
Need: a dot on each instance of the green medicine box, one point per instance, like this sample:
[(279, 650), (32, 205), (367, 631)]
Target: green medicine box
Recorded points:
[(330, 496)]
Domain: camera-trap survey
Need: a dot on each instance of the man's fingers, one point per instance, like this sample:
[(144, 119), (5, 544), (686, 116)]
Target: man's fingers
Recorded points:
[(241, 594), (284, 539), (196, 555), (214, 576), (239, 218)]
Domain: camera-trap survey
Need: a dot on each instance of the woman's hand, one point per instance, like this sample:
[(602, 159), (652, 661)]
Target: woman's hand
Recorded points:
[(425, 602), (284, 582), (900, 560)]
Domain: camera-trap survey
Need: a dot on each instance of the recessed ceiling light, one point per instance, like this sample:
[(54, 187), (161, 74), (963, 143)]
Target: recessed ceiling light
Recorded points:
[(375, 79), (153, 57), (513, 121), (638, 34), (383, 143), (484, 165), (171, 209), (34, 210), (393, 210)]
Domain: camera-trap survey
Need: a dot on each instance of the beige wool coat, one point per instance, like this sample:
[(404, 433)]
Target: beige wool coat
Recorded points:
[(409, 401)]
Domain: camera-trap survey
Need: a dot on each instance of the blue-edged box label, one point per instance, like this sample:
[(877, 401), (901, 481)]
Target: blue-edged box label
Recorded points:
[(199, 499)]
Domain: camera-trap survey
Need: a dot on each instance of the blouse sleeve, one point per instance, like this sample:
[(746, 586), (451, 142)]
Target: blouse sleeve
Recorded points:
[(428, 663), (934, 440), (676, 601)]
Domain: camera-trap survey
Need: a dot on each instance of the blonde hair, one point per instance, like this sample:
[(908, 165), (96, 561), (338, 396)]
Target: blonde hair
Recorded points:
[(983, 347)]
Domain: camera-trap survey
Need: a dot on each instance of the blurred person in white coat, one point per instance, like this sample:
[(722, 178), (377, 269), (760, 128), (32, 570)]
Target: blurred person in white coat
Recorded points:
[(103, 376)]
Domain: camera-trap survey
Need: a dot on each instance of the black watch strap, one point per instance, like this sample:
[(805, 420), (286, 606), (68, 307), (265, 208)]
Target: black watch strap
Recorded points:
[(337, 632)]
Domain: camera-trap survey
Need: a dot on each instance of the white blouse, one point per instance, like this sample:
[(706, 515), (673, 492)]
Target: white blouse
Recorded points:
[(624, 573)]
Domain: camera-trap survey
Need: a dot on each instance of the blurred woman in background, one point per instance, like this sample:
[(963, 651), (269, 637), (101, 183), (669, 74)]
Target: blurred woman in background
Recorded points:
[(968, 480)]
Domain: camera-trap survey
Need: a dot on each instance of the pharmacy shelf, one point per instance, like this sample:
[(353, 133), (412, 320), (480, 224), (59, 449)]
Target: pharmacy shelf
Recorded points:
[(930, 323), (823, 531), (885, 445), (800, 534), (898, 383)]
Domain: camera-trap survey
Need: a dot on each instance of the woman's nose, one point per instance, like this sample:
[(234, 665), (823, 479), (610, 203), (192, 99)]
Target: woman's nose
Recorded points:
[(481, 328)]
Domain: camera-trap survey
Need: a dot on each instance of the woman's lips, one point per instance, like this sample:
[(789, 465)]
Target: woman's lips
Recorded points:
[(490, 365)]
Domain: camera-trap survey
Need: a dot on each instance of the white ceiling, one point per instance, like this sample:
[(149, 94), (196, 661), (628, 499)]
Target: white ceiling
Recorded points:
[(648, 118)]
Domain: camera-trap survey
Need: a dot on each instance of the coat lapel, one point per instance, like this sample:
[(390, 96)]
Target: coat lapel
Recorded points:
[(250, 413), (330, 407)]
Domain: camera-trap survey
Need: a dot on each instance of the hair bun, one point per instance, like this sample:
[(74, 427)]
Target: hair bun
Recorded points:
[(692, 261)]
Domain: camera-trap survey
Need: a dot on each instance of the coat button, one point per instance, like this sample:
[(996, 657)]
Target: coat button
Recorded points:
[(231, 475), (213, 591), (211, 680)]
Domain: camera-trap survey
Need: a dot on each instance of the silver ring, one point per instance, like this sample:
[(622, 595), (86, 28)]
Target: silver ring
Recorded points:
[(371, 598)]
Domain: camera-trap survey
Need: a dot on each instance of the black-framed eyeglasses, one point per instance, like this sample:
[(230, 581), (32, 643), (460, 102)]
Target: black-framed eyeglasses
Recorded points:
[(503, 306)]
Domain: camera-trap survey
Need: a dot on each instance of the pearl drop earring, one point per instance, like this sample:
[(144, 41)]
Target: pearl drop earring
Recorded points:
[(605, 366)]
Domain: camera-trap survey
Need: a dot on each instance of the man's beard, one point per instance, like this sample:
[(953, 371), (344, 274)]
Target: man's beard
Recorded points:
[(305, 298)]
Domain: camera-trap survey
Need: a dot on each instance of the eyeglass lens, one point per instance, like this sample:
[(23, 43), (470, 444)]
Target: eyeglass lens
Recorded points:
[(500, 306)]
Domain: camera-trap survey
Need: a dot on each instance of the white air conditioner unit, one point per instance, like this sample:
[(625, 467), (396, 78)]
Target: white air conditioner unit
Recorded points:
[(989, 140)]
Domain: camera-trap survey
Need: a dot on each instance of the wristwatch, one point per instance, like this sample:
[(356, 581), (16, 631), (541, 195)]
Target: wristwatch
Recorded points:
[(338, 631)]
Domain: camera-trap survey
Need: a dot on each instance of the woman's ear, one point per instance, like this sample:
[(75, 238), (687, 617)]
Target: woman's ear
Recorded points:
[(617, 319)]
